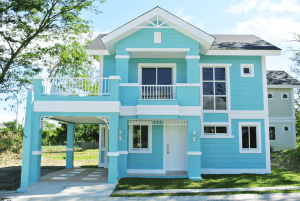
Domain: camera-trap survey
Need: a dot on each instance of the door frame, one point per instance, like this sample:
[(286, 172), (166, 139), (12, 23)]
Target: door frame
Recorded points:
[(105, 149)]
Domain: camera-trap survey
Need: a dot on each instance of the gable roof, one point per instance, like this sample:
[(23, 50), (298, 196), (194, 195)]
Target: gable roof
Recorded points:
[(241, 42), (281, 78), (109, 41)]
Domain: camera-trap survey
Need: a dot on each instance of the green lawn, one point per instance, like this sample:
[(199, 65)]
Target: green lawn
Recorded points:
[(59, 153), (278, 177)]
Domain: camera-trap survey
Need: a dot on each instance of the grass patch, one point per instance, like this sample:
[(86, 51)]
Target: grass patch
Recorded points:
[(278, 177), (59, 153), (202, 194)]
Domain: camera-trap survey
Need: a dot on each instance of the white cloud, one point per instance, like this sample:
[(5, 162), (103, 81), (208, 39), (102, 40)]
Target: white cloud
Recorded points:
[(189, 18), (269, 27), (266, 5)]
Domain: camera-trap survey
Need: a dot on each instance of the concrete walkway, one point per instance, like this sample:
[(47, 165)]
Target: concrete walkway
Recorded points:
[(213, 190)]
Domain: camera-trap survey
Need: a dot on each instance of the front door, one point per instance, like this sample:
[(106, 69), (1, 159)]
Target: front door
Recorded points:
[(176, 148), (103, 146)]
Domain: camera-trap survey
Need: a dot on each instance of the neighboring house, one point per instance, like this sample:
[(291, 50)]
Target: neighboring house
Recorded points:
[(282, 110), (2, 126), (177, 101)]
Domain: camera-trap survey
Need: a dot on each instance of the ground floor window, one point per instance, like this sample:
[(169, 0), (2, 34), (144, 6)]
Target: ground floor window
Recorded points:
[(250, 137), (215, 130), (272, 133), (140, 139)]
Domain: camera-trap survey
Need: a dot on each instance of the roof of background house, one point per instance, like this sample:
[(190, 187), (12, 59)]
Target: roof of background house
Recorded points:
[(280, 78), (222, 42), (241, 42)]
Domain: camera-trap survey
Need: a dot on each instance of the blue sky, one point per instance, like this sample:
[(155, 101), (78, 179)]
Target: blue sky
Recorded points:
[(271, 20)]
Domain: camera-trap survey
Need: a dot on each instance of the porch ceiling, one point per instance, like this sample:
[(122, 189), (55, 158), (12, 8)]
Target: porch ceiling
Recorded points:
[(78, 119)]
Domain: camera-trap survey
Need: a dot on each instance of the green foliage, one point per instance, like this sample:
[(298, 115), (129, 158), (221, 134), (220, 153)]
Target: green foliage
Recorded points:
[(42, 33), (11, 126), (87, 133), (11, 141)]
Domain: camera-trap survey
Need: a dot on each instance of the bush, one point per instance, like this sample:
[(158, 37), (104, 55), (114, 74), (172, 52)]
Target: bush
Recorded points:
[(11, 141), (271, 149)]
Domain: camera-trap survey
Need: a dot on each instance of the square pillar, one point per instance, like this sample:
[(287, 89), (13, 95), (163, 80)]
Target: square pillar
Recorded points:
[(27, 145), (36, 148), (192, 69), (123, 148), (194, 149), (113, 152), (122, 63), (70, 146)]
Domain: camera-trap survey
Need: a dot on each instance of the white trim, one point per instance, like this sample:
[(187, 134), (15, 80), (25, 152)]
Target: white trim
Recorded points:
[(164, 149), (234, 171), (157, 109), (37, 153), (70, 149), (97, 52), (157, 37), (217, 136), (157, 49), (282, 118), (188, 85), (248, 114), (145, 171), (192, 57), (288, 128), (258, 137), (272, 95), (142, 150), (293, 104), (264, 81), (115, 78), (123, 152), (283, 86), (194, 153), (129, 84), (77, 106), (245, 52), (122, 57), (251, 70), (128, 111), (267, 146), (157, 65), (189, 110), (215, 64), (113, 153), (195, 178), (287, 94), (37, 77)]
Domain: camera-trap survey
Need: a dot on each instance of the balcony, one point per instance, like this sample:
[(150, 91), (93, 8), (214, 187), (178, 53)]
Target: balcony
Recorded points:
[(77, 89), (157, 92)]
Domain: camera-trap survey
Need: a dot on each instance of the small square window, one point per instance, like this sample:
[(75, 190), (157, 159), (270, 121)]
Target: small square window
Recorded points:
[(270, 95), (284, 95), (247, 70), (286, 128)]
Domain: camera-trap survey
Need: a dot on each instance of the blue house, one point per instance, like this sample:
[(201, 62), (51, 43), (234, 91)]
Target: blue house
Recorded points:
[(171, 99)]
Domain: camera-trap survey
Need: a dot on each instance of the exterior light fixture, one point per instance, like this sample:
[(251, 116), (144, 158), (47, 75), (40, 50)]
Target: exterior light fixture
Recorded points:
[(120, 135), (194, 135)]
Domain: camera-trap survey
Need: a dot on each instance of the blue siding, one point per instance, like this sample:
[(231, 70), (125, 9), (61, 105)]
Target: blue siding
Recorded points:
[(109, 65), (149, 161), (129, 96), (188, 96), (215, 117), (170, 38), (246, 92), (224, 153)]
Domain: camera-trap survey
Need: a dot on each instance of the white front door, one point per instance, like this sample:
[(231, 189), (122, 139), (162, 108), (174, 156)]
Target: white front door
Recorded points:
[(176, 147), (103, 146)]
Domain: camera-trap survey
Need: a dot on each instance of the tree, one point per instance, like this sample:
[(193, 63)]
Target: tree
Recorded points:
[(11, 126), (31, 33)]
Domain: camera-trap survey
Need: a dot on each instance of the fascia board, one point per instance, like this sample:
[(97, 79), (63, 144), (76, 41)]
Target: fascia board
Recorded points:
[(97, 52), (245, 52), (283, 86)]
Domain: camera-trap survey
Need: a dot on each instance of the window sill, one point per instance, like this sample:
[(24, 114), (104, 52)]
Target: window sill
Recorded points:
[(215, 111), (250, 151), (140, 152), (216, 136), (273, 140)]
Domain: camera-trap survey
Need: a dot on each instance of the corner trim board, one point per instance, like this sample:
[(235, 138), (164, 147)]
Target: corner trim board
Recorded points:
[(70, 149), (113, 153), (37, 153)]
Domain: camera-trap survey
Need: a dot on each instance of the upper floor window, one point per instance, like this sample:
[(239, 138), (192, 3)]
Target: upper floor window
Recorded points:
[(270, 95), (284, 95), (214, 88), (247, 70)]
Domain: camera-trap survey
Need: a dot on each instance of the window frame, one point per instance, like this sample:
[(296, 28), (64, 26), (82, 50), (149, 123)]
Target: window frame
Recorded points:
[(288, 128), (141, 150), (288, 96), (272, 95), (275, 133), (251, 74), (258, 138), (216, 124), (227, 81)]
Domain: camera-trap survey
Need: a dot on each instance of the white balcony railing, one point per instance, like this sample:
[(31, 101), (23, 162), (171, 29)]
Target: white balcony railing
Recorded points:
[(157, 92), (80, 86)]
